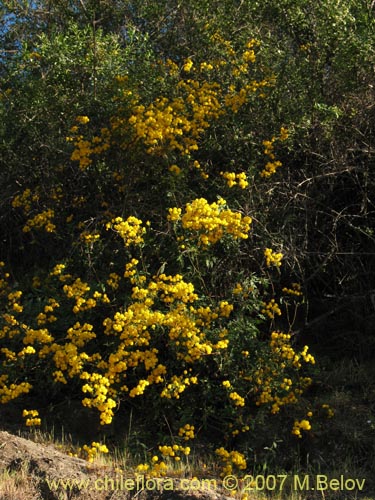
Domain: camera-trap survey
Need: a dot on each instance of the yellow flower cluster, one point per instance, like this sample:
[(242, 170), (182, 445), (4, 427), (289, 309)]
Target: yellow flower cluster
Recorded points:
[(268, 394), (13, 298), (130, 230), (300, 425), (57, 270), (234, 179), (177, 123), (93, 450), (67, 358), (295, 290), (281, 392), (268, 145), (273, 165), (271, 308), (204, 66), (77, 290), (26, 351), (40, 221), (25, 200), (79, 334), (82, 120), (230, 459), (225, 309), (175, 169), (248, 56), (226, 45), (280, 344), (98, 387), (159, 310), (84, 148), (188, 64), (187, 432), (243, 429), (284, 134), (174, 214), (211, 221), (56, 194), (13, 391), (305, 47), (238, 289), (177, 386), (10, 355), (173, 288), (42, 317), (308, 358), (32, 417), (139, 389), (235, 99), (270, 168), (273, 258), (36, 283), (184, 323), (142, 468), (82, 151), (158, 469), (89, 238), (32, 336), (172, 451), (237, 399), (113, 281)]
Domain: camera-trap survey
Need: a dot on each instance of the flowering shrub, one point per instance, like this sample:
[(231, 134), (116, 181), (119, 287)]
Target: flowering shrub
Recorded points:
[(144, 300), (188, 320), (153, 337)]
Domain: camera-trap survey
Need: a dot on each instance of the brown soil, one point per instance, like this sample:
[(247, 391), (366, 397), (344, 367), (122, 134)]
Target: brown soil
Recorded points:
[(27, 469)]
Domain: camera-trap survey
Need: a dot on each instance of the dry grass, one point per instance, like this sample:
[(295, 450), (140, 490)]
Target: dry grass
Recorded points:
[(18, 486)]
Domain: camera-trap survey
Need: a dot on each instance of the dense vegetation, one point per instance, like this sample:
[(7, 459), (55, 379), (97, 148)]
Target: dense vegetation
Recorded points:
[(187, 201)]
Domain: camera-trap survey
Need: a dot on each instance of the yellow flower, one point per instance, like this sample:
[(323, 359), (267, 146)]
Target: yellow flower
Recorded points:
[(295, 290), (40, 221), (271, 308), (82, 119), (238, 400), (175, 169), (130, 230), (32, 417), (270, 168), (211, 222), (238, 289), (303, 424), (188, 64), (284, 134), (272, 258)]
